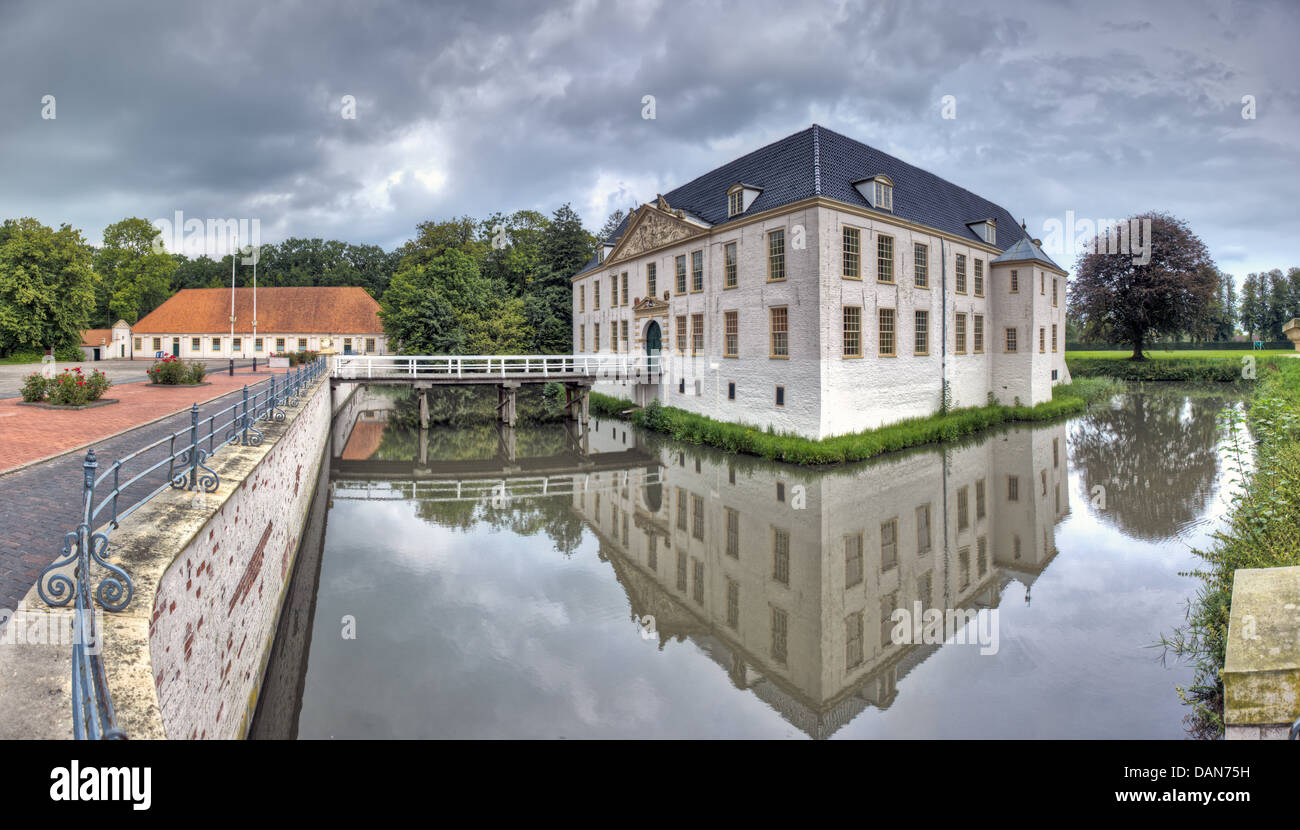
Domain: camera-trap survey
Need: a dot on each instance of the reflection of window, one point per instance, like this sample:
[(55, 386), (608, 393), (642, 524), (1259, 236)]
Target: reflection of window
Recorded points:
[(1013, 488), (781, 555), (888, 544), (652, 558), (963, 568), (888, 603), (853, 640), (733, 534), (733, 603), (923, 528), (981, 556), (963, 508), (681, 509), (697, 516), (780, 623), (699, 581), (852, 560), (979, 499), (681, 570)]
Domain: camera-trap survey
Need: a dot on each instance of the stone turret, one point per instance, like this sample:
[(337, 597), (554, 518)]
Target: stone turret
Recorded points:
[(1292, 331)]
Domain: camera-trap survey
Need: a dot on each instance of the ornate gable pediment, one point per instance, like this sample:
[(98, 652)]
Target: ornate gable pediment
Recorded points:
[(650, 307), (651, 228)]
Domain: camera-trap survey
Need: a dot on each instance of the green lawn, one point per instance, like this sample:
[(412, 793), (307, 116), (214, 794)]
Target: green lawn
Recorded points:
[(1220, 354)]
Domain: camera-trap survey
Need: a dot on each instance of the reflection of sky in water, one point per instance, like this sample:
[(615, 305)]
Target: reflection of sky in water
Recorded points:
[(488, 633)]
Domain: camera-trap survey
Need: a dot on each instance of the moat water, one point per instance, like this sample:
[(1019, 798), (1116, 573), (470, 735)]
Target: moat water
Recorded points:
[(470, 581)]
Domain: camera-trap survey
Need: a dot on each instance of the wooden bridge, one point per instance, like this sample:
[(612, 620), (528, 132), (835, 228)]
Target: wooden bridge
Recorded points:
[(507, 372)]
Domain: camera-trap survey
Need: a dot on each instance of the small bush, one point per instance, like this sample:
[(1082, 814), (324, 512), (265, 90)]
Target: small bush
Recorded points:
[(35, 387), (69, 354), (172, 371), (73, 388)]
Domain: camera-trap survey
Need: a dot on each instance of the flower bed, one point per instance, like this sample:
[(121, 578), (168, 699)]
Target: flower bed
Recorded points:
[(70, 388), (172, 371), (294, 358)]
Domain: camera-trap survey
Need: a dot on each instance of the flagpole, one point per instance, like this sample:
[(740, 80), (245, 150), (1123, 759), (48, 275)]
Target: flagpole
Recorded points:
[(234, 254), (256, 257)]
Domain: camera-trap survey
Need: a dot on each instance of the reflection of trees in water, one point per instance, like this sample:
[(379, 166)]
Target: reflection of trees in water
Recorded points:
[(469, 443), (460, 406), (549, 516), (1155, 455)]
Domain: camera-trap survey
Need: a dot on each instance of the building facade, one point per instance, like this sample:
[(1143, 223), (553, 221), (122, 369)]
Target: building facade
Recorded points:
[(196, 323), (105, 344), (821, 287)]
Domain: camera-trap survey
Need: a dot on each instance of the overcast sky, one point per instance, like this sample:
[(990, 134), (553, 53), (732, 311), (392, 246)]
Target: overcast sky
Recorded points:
[(235, 109)]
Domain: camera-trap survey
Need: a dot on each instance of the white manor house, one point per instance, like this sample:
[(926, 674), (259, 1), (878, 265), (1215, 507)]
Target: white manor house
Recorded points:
[(822, 287)]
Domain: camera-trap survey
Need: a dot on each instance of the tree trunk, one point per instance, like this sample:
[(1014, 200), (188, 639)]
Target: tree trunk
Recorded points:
[(1137, 349)]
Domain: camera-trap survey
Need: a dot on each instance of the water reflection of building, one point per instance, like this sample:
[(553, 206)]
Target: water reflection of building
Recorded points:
[(788, 578)]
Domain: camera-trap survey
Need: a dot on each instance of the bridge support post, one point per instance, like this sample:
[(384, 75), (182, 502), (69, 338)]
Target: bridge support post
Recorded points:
[(508, 445), (577, 401), (424, 408), (507, 403)]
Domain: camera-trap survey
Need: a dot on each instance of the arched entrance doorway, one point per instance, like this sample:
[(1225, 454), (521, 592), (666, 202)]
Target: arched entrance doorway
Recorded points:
[(653, 339)]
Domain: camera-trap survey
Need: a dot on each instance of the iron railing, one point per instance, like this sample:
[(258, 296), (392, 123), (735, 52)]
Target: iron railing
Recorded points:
[(625, 366), (130, 480)]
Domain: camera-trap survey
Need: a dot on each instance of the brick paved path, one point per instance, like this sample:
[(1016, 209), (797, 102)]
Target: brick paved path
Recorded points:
[(41, 503)]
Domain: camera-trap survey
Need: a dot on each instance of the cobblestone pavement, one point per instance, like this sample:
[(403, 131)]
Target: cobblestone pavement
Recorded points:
[(41, 503), (118, 370)]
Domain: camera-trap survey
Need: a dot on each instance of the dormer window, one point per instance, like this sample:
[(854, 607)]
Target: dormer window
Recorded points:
[(604, 251), (740, 196), (986, 229), (878, 191)]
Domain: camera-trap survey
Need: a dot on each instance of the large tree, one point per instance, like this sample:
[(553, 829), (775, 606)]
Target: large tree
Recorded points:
[(1130, 301), (47, 286), (567, 246), (136, 273)]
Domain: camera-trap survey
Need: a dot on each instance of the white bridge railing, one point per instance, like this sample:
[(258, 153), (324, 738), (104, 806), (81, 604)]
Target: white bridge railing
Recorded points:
[(480, 367), (498, 491)]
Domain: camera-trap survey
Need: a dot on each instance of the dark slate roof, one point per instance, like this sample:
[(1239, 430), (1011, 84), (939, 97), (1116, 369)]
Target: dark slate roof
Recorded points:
[(1024, 250), (818, 161)]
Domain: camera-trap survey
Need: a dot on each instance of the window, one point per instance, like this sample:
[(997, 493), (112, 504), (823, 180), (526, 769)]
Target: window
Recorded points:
[(921, 343), (733, 603), (780, 625), (853, 640), (279, 344), (681, 333), (370, 345), (885, 258), (651, 278), (852, 331), (1013, 488), (852, 254), (1011, 340), (595, 294), (623, 325), (1042, 283), (980, 501), (626, 298), (979, 278), (613, 290), (781, 555), (139, 344), (923, 529), (776, 255), (735, 202), (1015, 281), (888, 544), (257, 344), (780, 396), (697, 334), (582, 298), (921, 265), (1054, 283), (1053, 336), (731, 391), (729, 265), (1042, 339), (780, 332), (302, 344), (697, 271), (613, 336), (963, 508), (733, 533), (852, 560), (960, 330), (886, 326), (979, 334), (237, 344), (582, 338), (595, 337), (884, 196), (961, 273), (194, 344), (680, 272), (216, 345), (731, 328)]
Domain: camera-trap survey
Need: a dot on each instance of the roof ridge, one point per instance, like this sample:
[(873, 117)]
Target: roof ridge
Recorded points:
[(817, 159)]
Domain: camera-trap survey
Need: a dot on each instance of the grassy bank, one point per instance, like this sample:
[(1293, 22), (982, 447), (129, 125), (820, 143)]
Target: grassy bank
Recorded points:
[(1219, 370), (794, 449), (1176, 354), (1261, 533)]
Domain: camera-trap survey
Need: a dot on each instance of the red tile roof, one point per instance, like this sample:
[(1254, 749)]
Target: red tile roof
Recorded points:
[(306, 310), (97, 337)]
